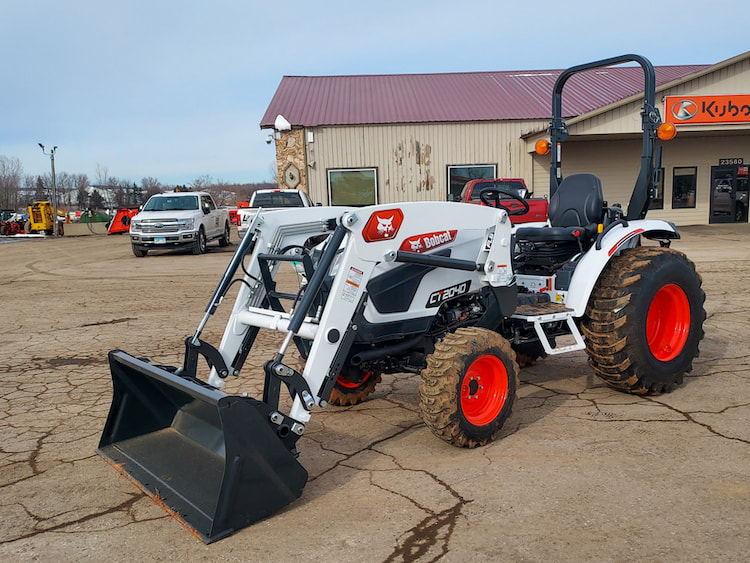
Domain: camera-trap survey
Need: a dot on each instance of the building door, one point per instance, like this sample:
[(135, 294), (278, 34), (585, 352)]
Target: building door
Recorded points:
[(729, 194)]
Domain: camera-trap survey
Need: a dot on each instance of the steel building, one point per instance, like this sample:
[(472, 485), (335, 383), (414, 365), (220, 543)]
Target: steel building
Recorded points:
[(358, 140)]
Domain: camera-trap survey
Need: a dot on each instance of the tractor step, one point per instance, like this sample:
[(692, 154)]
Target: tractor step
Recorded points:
[(540, 314), (534, 310)]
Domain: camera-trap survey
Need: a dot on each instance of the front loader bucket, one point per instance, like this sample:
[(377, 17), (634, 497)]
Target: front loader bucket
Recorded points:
[(212, 459)]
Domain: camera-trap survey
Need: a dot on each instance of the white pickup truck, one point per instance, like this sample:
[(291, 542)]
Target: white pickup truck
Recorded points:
[(179, 220), (271, 200)]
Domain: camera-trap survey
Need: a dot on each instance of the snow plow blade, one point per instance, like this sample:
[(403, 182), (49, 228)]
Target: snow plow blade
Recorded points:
[(214, 461)]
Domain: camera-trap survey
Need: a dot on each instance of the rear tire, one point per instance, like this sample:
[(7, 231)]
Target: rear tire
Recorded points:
[(224, 240), (139, 252), (739, 213), (348, 391), (644, 320), (468, 387)]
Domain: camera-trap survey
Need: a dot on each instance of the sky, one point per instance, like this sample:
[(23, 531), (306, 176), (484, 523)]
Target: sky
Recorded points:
[(175, 90)]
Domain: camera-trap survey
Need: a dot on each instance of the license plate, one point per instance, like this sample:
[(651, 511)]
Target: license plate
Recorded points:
[(160, 240)]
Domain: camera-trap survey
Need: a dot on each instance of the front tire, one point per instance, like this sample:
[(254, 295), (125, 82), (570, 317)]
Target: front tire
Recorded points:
[(139, 252), (468, 387), (200, 245), (353, 388), (644, 320)]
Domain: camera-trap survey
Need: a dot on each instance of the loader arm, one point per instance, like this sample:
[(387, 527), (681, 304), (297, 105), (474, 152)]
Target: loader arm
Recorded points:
[(219, 462)]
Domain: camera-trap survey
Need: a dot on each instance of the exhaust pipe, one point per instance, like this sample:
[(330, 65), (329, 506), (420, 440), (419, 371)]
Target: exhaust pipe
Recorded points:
[(216, 462)]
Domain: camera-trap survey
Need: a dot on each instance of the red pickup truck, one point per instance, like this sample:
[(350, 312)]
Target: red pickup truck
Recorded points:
[(537, 206)]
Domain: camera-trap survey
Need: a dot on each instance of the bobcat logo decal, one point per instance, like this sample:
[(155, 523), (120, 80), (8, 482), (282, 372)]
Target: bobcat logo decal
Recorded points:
[(428, 241), (383, 225)]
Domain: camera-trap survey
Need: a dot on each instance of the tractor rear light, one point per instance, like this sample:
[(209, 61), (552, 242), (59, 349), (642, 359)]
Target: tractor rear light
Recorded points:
[(666, 131)]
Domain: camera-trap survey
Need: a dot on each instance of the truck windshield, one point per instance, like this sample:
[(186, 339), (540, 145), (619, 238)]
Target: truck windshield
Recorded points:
[(277, 199), (170, 203)]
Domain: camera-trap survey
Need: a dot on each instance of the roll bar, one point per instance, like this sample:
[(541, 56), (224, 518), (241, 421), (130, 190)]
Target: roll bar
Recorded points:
[(644, 188)]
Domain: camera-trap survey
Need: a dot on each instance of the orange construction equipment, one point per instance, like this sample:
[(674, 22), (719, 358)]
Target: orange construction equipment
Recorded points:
[(121, 223)]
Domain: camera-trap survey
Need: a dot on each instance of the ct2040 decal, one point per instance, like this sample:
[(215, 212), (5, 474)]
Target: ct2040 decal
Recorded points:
[(438, 297)]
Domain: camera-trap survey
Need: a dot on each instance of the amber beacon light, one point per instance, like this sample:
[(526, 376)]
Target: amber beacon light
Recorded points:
[(667, 131), (542, 146)]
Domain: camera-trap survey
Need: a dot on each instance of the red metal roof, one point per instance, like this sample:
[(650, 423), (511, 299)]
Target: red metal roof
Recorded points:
[(466, 96)]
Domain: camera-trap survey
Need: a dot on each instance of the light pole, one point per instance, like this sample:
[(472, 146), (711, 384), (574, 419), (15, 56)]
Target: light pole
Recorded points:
[(54, 187)]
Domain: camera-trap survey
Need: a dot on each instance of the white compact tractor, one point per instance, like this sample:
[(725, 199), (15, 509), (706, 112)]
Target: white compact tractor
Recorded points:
[(449, 291)]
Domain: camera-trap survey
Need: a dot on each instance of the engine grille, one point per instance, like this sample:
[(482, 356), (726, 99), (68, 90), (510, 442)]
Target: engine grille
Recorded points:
[(159, 227)]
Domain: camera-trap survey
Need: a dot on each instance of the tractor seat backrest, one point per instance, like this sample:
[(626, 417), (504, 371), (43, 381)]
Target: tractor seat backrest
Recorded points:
[(578, 202)]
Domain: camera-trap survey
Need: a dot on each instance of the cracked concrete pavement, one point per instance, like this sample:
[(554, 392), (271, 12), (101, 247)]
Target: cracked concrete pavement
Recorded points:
[(581, 472)]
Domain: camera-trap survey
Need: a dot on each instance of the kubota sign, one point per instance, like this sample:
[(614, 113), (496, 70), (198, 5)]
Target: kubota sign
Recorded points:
[(707, 109)]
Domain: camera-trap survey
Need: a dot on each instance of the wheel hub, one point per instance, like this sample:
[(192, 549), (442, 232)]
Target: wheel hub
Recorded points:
[(668, 322), (484, 390)]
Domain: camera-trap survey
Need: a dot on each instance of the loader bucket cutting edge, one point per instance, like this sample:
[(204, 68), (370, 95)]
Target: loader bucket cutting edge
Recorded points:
[(212, 460)]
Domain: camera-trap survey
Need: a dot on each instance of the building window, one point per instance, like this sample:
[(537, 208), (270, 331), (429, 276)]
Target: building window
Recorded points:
[(658, 201), (353, 186), (683, 187), (459, 175)]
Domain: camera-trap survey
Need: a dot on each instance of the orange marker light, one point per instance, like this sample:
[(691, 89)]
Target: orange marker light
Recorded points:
[(542, 146), (666, 131)]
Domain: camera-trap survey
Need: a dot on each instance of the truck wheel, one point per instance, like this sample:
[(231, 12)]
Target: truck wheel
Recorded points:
[(739, 213), (644, 320), (199, 246), (140, 252), (352, 392), (468, 387), (224, 240)]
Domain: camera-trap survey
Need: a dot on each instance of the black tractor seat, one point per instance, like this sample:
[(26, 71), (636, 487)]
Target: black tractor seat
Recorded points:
[(575, 212)]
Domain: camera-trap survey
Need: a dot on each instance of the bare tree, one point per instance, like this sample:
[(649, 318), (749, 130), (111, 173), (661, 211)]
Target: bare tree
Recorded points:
[(150, 186), (81, 183), (40, 190), (220, 192), (64, 186), (102, 175), (11, 175), (273, 172), (26, 194), (202, 183), (108, 192)]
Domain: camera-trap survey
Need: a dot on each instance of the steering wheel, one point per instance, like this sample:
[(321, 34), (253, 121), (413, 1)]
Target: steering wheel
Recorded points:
[(491, 198)]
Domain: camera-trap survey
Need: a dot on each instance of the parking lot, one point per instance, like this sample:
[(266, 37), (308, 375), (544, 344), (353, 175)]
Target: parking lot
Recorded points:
[(581, 472)]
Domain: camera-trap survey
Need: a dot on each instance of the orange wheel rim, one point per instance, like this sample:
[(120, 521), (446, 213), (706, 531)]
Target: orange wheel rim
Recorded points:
[(668, 322), (484, 390)]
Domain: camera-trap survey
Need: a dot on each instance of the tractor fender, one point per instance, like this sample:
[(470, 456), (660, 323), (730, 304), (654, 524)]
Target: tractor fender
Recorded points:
[(593, 262)]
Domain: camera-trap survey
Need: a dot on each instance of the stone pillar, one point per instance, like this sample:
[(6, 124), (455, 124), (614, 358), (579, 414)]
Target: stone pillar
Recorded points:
[(291, 165)]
